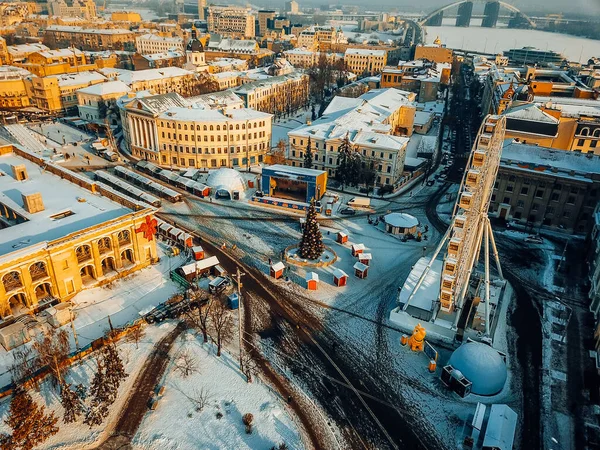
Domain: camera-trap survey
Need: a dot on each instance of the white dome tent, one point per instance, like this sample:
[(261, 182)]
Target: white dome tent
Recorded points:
[(481, 365), (225, 181), (400, 223)]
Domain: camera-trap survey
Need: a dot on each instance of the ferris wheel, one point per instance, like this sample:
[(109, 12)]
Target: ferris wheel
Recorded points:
[(470, 226)]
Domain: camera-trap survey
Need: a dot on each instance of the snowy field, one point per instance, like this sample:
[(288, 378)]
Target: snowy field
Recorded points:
[(122, 300), (176, 425), (282, 127), (78, 435)]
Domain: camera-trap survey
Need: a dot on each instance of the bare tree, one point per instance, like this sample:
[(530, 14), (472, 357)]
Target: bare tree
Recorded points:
[(199, 318), (278, 154), (53, 349), (186, 363), (249, 365), (199, 398), (24, 366), (222, 323), (137, 334)]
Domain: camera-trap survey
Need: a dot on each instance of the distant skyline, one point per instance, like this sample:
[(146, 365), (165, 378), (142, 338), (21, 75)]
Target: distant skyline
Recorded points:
[(584, 7)]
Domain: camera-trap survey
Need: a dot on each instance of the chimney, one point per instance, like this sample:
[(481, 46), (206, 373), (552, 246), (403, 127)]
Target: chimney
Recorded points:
[(33, 202), (19, 172)]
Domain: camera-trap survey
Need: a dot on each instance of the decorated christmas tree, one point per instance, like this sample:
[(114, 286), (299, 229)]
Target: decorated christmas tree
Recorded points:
[(311, 245)]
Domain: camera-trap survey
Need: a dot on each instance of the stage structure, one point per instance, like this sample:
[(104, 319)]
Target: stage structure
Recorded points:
[(470, 229)]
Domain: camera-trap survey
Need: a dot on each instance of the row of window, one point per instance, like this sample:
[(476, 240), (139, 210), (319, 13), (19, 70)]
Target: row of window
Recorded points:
[(214, 162), (238, 137), (382, 155), (261, 123), (316, 159), (213, 150)]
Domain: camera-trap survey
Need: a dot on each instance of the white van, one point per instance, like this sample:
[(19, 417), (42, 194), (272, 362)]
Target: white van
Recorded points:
[(359, 202)]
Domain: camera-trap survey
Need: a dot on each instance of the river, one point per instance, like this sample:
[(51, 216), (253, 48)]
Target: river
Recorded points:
[(496, 40)]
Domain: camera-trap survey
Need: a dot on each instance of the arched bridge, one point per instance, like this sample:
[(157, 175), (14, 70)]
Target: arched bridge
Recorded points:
[(490, 16)]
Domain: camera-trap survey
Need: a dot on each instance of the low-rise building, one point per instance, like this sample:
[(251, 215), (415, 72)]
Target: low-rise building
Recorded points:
[(13, 91), (435, 52), (56, 62), (227, 65), (84, 9), (234, 22), (247, 50), (69, 84), (421, 77), (227, 80), (80, 233), (160, 81), (305, 58), (321, 38), (153, 43), (276, 95), (544, 187), (19, 53), (171, 58), (89, 38), (377, 125), (360, 61), (169, 131), (125, 16), (94, 102)]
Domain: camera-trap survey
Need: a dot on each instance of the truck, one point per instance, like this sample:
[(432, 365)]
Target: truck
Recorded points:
[(359, 202)]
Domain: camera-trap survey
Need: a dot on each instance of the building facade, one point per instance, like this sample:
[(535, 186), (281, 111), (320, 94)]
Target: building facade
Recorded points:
[(543, 187), (378, 138), (237, 23), (360, 61), (93, 102), (89, 38), (321, 38), (63, 255), (83, 9), (13, 91), (153, 43), (168, 132)]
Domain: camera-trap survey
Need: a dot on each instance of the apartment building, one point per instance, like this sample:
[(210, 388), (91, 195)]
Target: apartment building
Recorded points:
[(147, 44), (420, 76), (89, 38), (56, 62), (13, 92), (93, 101), (435, 52), (166, 130), (84, 9), (378, 125), (160, 81), (321, 38), (360, 60), (544, 187), (304, 58), (237, 23)]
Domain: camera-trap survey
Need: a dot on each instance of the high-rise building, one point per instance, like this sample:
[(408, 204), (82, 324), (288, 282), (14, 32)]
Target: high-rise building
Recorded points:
[(291, 7), (201, 9), (263, 21), (237, 23), (84, 9)]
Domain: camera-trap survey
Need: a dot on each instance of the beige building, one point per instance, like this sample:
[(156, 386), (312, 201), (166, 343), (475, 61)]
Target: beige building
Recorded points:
[(320, 38), (84, 9), (126, 16), (93, 102), (360, 60), (160, 81), (89, 38), (435, 52), (291, 7), (167, 131), (380, 138), (276, 95), (152, 43), (264, 16), (304, 58), (237, 23), (69, 84), (80, 234)]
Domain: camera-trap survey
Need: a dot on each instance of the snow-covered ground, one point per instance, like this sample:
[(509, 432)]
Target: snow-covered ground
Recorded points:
[(78, 435), (122, 300), (176, 425)]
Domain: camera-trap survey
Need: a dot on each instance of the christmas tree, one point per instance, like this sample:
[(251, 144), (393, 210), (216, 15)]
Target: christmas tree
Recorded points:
[(311, 245)]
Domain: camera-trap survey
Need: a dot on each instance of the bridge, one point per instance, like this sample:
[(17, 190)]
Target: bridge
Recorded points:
[(491, 14)]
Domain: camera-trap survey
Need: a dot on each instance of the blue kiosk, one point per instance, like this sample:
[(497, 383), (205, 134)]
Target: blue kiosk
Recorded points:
[(291, 187)]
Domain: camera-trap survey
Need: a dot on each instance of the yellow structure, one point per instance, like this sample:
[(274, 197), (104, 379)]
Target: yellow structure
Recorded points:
[(44, 93), (361, 60), (62, 233), (417, 340), (55, 62), (126, 16), (13, 93), (164, 129), (84, 9), (435, 52)]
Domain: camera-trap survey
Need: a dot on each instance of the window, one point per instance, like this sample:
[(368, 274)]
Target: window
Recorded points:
[(535, 207), (520, 204), (509, 188), (593, 144), (539, 193), (555, 196), (571, 200), (506, 200), (524, 190), (580, 142)]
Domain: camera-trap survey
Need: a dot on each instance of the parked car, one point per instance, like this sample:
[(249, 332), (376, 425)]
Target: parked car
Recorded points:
[(430, 182), (534, 239), (348, 211), (218, 285)]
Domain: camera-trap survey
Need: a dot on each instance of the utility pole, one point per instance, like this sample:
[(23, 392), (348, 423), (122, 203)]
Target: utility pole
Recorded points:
[(239, 276), (74, 334)]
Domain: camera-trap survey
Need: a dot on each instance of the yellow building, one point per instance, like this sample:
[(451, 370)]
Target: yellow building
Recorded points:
[(55, 62), (234, 22), (435, 52), (361, 60), (125, 16), (44, 93), (69, 84), (13, 93), (165, 130), (85, 9), (89, 38), (62, 233), (4, 58)]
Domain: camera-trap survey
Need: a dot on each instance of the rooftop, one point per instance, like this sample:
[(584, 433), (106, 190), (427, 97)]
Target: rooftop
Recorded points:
[(74, 79), (110, 87), (81, 30), (365, 52), (68, 208)]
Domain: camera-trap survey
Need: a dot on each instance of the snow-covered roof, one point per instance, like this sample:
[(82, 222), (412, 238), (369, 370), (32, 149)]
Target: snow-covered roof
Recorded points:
[(429, 290), (169, 54), (360, 266), (157, 38), (197, 248), (422, 117), (339, 273), (211, 115), (358, 246), (68, 208), (130, 76), (110, 87), (482, 366), (365, 257), (401, 220), (269, 81), (501, 426), (312, 276), (200, 265), (26, 48), (293, 170), (81, 30), (74, 79), (226, 179), (278, 266), (530, 112), (13, 73), (60, 53), (365, 52)]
